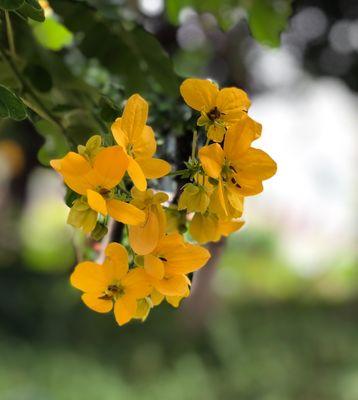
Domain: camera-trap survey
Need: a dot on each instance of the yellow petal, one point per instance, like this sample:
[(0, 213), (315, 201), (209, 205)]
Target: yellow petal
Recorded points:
[(136, 283), (175, 300), (110, 165), (212, 159), (143, 309), (144, 146), (175, 285), (125, 213), (134, 117), (199, 94), (136, 174), (116, 262), (118, 133), (124, 309), (256, 164), (154, 168), (248, 186), (228, 227), (186, 259), (153, 266), (194, 198), (216, 133), (239, 137), (89, 277), (85, 219), (156, 297), (221, 196), (96, 304), (144, 238), (231, 102), (72, 164), (74, 169), (235, 197), (204, 229), (96, 202), (160, 197)]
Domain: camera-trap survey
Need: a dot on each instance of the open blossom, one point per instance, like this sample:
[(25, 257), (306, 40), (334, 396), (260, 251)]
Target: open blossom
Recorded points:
[(96, 179), (219, 108), (238, 168), (145, 236), (169, 263), (112, 284), (138, 141)]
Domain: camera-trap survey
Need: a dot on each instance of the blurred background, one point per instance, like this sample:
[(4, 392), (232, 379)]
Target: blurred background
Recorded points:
[(277, 318)]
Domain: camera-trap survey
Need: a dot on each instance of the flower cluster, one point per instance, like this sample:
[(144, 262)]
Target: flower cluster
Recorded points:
[(155, 259), (228, 169)]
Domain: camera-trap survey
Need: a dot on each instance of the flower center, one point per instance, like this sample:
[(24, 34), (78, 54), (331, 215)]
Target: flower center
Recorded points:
[(214, 114), (113, 292), (228, 174), (106, 193)]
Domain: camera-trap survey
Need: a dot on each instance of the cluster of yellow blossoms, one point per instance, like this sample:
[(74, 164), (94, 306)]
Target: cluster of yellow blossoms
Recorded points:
[(112, 182)]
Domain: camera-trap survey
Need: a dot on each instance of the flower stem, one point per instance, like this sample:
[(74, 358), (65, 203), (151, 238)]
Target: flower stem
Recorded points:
[(39, 108), (10, 35)]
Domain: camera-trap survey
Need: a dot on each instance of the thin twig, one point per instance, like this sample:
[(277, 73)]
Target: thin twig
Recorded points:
[(45, 112), (194, 143), (105, 241), (10, 35)]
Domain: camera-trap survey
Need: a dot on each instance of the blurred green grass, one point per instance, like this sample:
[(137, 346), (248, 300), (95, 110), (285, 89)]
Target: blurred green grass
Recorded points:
[(269, 352)]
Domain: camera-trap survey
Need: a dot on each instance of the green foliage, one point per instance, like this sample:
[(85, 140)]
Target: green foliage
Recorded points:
[(133, 54), (32, 9), (266, 18), (75, 68), (10, 105), (11, 4), (55, 145), (52, 34), (39, 77)]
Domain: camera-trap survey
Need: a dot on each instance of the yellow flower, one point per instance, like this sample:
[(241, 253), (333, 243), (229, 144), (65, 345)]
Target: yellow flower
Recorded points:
[(194, 198), (174, 301), (112, 284), (219, 108), (209, 228), (144, 237), (96, 179), (238, 169), (168, 264), (137, 139)]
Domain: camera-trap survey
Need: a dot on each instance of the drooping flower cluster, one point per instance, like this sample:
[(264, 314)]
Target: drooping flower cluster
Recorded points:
[(229, 169), (155, 260)]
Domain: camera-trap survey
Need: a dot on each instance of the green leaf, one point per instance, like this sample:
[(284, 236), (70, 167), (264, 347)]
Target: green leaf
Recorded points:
[(135, 56), (70, 197), (52, 35), (11, 4), (11, 106), (39, 77), (32, 9), (55, 145), (267, 19)]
